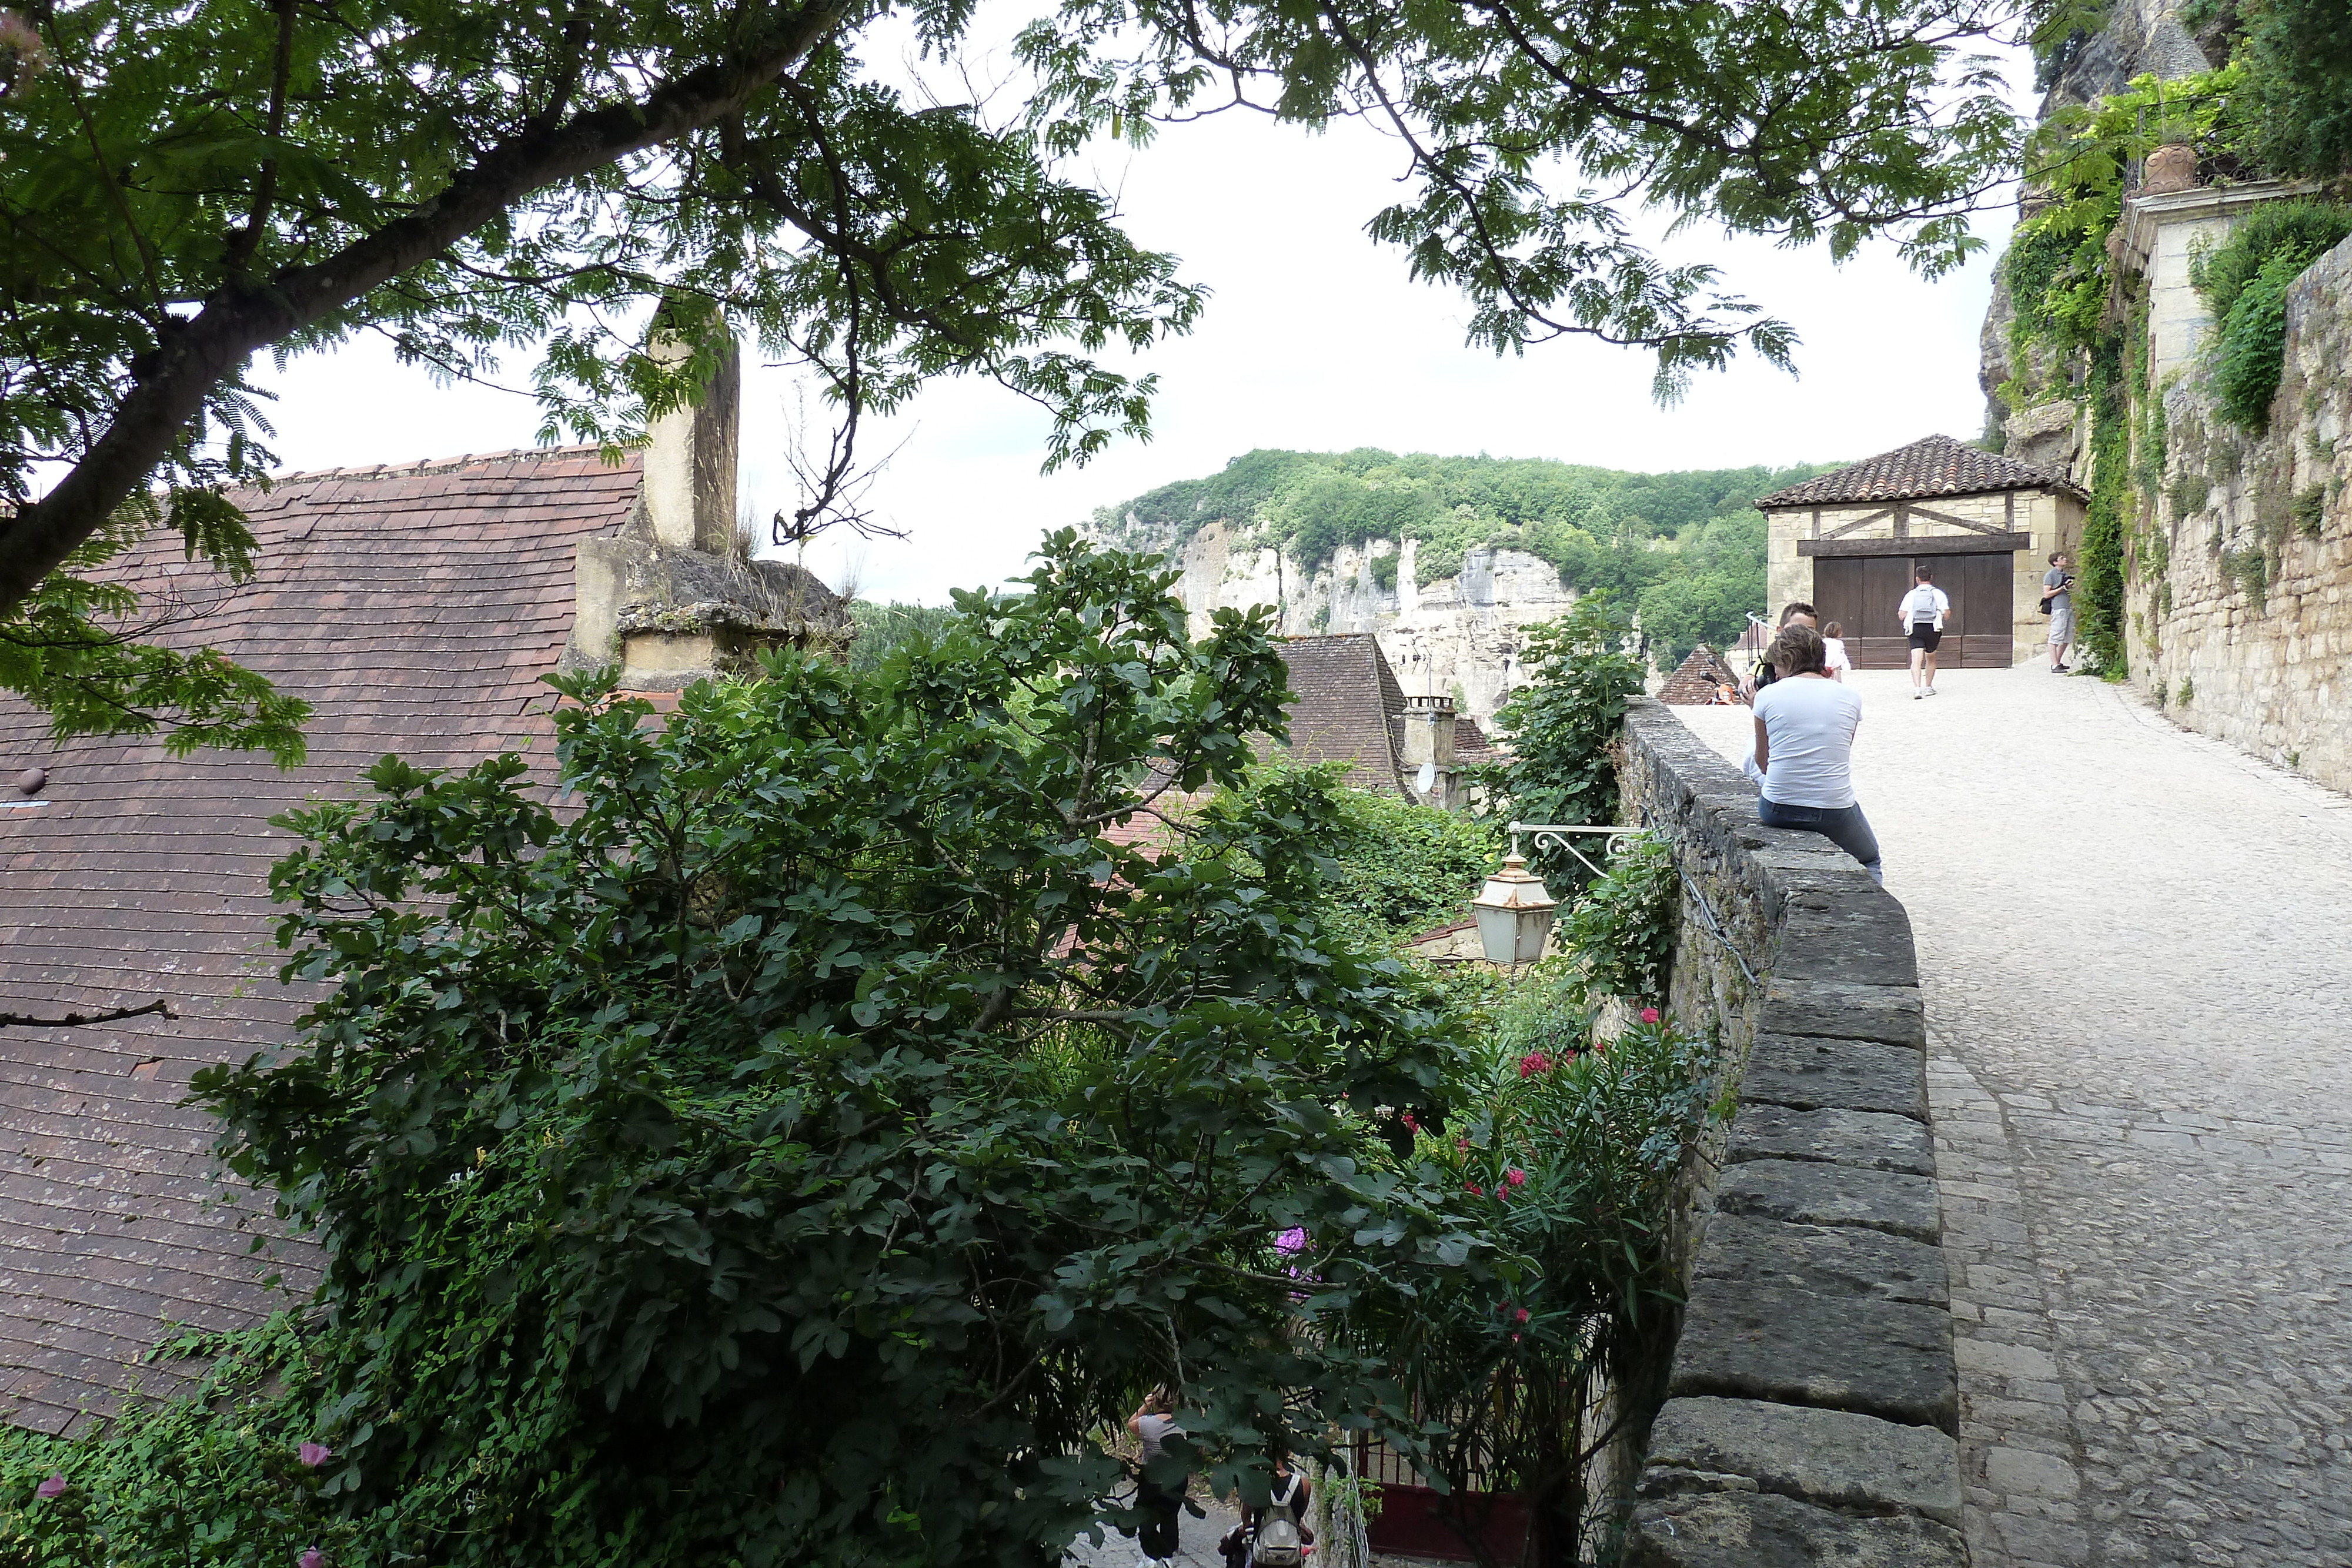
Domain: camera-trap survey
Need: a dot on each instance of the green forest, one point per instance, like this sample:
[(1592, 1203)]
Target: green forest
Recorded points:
[(1685, 549)]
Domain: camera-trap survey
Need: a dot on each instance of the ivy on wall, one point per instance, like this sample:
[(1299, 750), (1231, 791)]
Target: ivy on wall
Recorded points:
[(2099, 588)]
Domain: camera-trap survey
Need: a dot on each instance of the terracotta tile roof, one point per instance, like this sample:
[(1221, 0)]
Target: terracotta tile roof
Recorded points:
[(415, 608), (1350, 708), (1699, 680), (1470, 742), (1938, 465)]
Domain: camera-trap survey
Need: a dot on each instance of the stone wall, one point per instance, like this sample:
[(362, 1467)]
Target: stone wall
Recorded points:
[(2239, 591), (1813, 1404)]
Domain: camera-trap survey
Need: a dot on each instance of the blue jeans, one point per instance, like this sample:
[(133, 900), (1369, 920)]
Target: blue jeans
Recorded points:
[(1845, 827)]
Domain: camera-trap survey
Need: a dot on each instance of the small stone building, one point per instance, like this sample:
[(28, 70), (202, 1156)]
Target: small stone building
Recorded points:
[(415, 607), (1847, 543), (1348, 708)]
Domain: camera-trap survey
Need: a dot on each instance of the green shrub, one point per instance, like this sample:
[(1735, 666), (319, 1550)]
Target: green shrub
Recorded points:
[(1623, 930), (1565, 726), (2305, 229), (2250, 568), (2310, 510), (2296, 102), (2189, 494), (2188, 690), (2244, 283)]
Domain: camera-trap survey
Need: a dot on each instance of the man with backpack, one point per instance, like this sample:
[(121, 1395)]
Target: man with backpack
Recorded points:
[(1923, 613), (1275, 1536)]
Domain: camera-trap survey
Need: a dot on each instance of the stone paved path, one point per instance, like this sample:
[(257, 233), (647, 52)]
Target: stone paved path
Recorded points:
[(2133, 943)]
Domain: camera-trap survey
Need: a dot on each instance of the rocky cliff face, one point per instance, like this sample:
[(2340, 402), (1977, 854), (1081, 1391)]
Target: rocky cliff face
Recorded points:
[(2141, 38), (1458, 635)]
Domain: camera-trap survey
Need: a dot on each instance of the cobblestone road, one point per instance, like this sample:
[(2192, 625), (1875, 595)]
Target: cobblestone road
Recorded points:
[(2139, 1010)]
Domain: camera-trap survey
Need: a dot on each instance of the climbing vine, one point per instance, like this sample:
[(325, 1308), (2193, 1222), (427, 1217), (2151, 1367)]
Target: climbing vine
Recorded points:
[(2100, 585)]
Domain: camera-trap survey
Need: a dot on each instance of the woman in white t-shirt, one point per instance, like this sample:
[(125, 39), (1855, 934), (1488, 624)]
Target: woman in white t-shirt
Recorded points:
[(1804, 750), (1835, 663)]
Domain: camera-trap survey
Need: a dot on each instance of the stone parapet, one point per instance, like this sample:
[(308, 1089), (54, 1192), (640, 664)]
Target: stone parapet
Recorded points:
[(1813, 1404)]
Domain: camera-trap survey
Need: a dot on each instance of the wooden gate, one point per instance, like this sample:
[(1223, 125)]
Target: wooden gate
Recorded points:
[(1862, 592)]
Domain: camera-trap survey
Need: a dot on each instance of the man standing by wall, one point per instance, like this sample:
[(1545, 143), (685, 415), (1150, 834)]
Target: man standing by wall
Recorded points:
[(1924, 608), (2058, 604)]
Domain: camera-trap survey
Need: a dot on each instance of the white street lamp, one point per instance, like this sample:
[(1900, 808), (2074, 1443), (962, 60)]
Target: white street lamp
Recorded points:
[(1514, 914)]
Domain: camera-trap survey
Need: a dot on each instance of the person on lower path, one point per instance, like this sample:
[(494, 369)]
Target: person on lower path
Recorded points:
[(2058, 604), (1923, 611), (1804, 750), (1796, 612), (1153, 1424), (1275, 1536)]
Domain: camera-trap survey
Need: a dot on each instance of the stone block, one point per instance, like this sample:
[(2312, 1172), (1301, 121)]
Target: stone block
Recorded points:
[(1855, 935), (1761, 1529), (1825, 1260), (1813, 1073), (1836, 1010), (1831, 1458), (1807, 1192), (1866, 1140), (1888, 1359)]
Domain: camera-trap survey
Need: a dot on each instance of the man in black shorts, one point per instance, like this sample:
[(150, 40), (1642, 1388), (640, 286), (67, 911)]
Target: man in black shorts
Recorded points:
[(1923, 613)]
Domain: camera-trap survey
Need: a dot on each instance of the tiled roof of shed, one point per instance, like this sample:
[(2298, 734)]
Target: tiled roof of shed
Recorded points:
[(1350, 708), (415, 609), (1938, 465)]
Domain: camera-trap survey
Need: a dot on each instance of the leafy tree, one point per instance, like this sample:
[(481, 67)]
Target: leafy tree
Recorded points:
[(1397, 869), (2297, 103), (799, 1152), (884, 629), (1564, 726), (185, 186)]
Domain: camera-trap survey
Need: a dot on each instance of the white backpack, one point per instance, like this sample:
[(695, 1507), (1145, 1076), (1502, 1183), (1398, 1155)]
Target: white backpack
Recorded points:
[(1279, 1542)]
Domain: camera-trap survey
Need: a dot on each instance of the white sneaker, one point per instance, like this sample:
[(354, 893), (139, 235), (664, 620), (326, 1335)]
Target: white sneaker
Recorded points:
[(1931, 691), (1917, 694)]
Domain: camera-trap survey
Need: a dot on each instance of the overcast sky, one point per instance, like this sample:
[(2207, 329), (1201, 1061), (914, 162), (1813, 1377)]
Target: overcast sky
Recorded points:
[(1315, 339)]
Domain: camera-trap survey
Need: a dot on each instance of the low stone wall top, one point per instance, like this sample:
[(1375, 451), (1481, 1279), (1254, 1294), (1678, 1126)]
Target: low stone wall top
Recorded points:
[(1813, 1404)]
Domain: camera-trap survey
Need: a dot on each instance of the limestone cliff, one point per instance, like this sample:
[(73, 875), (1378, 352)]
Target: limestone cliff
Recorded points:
[(1457, 635)]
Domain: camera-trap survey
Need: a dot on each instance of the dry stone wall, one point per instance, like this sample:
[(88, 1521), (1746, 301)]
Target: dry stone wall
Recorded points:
[(2239, 590), (1813, 1404)]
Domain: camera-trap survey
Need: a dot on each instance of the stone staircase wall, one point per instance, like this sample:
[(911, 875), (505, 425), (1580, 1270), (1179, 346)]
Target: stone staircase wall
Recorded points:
[(1812, 1406)]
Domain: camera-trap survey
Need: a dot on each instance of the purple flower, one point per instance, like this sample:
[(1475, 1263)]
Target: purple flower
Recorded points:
[(53, 1487), (312, 1558), (1291, 1240), (313, 1455)]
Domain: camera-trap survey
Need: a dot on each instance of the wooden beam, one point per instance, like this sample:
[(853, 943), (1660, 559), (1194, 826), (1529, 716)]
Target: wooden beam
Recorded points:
[(1919, 544), (1960, 522), (1844, 529)]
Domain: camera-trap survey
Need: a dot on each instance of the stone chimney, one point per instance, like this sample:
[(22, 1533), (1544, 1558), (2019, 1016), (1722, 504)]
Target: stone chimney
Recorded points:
[(1428, 750), (675, 596)]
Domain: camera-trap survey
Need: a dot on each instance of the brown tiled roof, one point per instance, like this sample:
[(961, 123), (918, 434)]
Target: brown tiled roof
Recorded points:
[(415, 608), (1698, 681), (1350, 708), (1938, 465), (1470, 742)]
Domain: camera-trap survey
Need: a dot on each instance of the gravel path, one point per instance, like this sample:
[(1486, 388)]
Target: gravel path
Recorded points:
[(2139, 1008)]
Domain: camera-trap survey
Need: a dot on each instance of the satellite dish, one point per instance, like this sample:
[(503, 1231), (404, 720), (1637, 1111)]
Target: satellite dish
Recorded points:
[(1427, 778)]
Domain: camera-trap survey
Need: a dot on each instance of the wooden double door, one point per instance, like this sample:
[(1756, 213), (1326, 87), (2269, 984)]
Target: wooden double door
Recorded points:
[(1864, 593)]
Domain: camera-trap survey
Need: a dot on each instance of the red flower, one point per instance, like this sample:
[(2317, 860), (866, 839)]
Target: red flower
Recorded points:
[(1649, 1015), (1462, 1145), (1410, 1124), (1518, 1177), (1473, 1189), (1523, 1314), (1533, 1063)]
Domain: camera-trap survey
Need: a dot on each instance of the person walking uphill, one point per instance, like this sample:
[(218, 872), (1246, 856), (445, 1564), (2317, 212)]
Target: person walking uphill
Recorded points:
[(1924, 608), (2058, 604), (1153, 1424), (1804, 750)]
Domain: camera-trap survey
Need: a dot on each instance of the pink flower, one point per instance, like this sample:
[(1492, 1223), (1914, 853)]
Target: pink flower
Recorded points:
[(313, 1455), (1518, 1177), (1473, 1189), (1649, 1015), (1291, 1240), (1410, 1124), (53, 1487), (1523, 1315), (312, 1558), (1461, 1145), (1533, 1063)]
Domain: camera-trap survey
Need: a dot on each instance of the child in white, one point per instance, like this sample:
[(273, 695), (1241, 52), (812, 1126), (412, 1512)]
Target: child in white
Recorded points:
[(1923, 611), (1834, 647)]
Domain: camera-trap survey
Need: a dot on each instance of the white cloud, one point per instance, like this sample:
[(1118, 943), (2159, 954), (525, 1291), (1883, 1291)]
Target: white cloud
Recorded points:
[(1315, 339)]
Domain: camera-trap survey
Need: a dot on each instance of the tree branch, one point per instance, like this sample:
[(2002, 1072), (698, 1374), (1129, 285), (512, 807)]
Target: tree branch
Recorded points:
[(243, 315), (162, 1005)]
